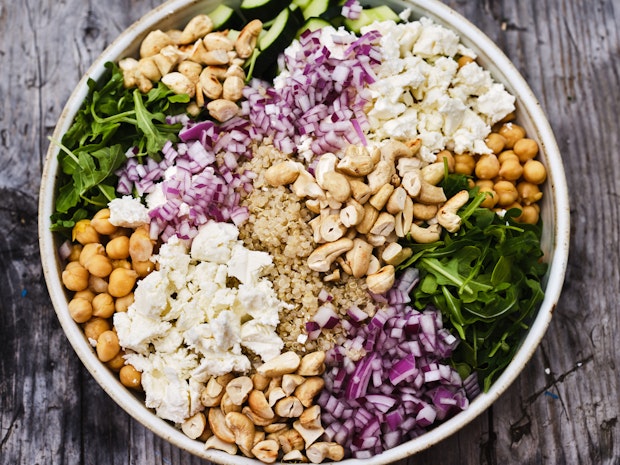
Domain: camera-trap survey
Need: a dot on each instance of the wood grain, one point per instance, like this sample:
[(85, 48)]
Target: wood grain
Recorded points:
[(564, 407)]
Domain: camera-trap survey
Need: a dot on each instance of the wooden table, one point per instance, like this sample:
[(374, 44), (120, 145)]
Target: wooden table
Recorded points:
[(564, 407)]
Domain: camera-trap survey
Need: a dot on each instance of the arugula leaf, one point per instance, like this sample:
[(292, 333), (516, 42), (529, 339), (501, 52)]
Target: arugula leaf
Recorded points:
[(486, 280)]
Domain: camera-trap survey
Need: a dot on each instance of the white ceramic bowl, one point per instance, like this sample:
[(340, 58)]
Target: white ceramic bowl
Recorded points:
[(555, 214)]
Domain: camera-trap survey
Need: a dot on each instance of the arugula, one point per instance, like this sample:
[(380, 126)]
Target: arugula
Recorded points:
[(486, 280), (111, 121)]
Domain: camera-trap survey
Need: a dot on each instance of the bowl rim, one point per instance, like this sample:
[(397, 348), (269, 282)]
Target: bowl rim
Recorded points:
[(505, 72)]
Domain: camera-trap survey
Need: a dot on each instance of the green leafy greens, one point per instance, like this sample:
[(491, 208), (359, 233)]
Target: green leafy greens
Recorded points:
[(486, 280), (112, 120)]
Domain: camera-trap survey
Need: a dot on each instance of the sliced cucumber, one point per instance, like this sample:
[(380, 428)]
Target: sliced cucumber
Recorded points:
[(224, 17), (301, 3), (265, 10), (316, 8), (313, 24), (277, 38), (369, 16)]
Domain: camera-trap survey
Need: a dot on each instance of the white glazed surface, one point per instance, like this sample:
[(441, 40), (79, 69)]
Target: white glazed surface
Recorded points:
[(555, 214)]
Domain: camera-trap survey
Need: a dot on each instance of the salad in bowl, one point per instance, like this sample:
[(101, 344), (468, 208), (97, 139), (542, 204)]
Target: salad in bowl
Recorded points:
[(303, 230)]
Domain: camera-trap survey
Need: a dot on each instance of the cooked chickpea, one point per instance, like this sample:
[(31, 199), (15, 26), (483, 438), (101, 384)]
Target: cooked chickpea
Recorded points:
[(75, 277), (529, 193), (491, 199), (511, 169), (103, 305), (509, 117), (99, 266), (496, 142), (506, 193), (487, 167), (107, 346), (121, 264), (118, 362), (94, 327), (512, 133), (464, 164), (447, 155), (526, 149), (143, 268), (121, 304), (74, 254), (118, 248), (529, 215), (140, 245), (130, 377), (84, 233), (97, 284), (86, 294), (507, 155), (101, 222), (89, 251), (534, 172), (464, 60), (121, 282), (80, 310)]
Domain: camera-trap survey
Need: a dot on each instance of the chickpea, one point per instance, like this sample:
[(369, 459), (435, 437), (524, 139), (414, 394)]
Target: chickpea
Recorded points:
[(121, 304), (107, 346), (464, 164), (512, 133), (506, 193), (103, 305), (529, 193), (89, 251), (143, 268), (507, 155), (121, 232), (487, 167), (86, 294), (491, 199), (101, 222), (99, 265), (97, 284), (447, 155), (84, 233), (121, 282), (511, 169), (121, 264), (118, 248), (464, 60), (140, 245), (75, 277), (118, 362), (80, 310), (94, 327), (529, 215), (495, 142), (534, 172), (526, 149), (130, 377), (76, 250)]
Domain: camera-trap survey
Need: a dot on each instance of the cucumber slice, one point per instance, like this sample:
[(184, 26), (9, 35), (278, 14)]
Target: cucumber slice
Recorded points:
[(301, 3), (369, 16), (316, 8), (278, 37), (313, 24), (224, 17), (265, 10)]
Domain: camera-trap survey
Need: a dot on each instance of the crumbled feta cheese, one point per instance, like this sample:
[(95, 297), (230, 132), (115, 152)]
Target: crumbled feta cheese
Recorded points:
[(128, 212)]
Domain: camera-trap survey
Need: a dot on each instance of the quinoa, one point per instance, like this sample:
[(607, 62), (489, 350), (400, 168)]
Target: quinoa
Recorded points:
[(278, 224)]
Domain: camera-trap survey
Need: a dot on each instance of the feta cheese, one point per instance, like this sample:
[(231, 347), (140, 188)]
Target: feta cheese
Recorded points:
[(128, 212)]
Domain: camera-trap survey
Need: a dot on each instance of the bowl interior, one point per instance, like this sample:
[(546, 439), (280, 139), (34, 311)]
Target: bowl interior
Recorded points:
[(554, 211)]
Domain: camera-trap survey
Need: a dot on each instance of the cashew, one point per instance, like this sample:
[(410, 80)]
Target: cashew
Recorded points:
[(217, 423), (128, 66), (239, 388), (374, 266), (323, 256), (233, 88), (384, 225), (447, 217), (381, 281), (393, 150), (215, 57), (306, 391), (216, 443), (275, 395), (379, 199), (331, 228), (370, 217), (412, 182), (309, 435), (147, 68), (395, 254), (396, 202), (179, 84), (227, 405), (320, 451), (310, 418), (291, 381), (359, 257), (289, 407), (422, 211), (266, 451), (257, 419), (260, 381), (259, 405), (153, 43), (235, 70), (190, 70), (431, 194), (218, 41), (306, 186), (287, 362), (360, 191), (312, 364), (222, 110), (404, 219), (326, 164), (195, 425), (282, 173), (243, 431), (376, 240), (197, 52), (426, 235), (337, 185), (381, 175), (433, 173), (275, 427), (352, 214), (289, 440), (356, 161), (210, 84), (404, 165), (212, 394), (246, 41), (315, 224), (199, 26), (295, 456)]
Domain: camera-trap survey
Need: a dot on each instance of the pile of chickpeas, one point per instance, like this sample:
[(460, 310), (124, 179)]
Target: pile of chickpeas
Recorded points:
[(103, 266)]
